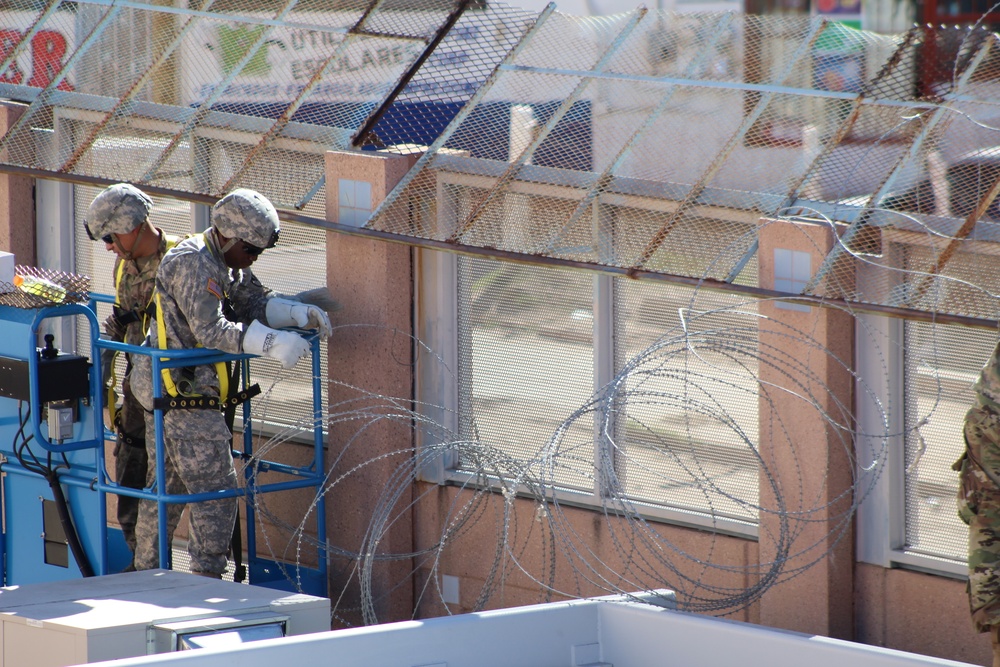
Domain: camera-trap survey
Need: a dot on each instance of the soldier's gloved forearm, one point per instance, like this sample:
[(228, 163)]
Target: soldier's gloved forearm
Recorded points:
[(285, 346), (287, 313)]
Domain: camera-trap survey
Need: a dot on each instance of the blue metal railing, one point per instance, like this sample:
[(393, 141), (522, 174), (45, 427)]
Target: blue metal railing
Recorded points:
[(311, 476)]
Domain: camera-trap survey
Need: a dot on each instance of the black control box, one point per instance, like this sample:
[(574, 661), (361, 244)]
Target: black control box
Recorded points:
[(60, 377)]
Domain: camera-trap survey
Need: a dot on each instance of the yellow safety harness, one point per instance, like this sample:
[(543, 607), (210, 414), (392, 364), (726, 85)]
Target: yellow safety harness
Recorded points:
[(171, 241), (168, 379), (176, 398)]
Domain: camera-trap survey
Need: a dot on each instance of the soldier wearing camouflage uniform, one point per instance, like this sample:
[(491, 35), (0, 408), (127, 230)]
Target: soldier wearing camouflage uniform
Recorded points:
[(209, 298), (979, 501), (119, 216)]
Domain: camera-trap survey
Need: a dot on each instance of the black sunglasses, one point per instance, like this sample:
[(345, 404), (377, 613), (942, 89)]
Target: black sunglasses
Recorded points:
[(252, 250), (107, 238)]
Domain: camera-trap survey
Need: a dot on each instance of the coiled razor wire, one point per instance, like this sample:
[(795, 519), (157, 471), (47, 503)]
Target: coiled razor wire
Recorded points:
[(644, 558)]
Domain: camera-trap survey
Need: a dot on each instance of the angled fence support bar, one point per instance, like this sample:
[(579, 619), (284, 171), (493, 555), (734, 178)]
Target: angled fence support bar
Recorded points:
[(936, 117), (311, 192), (852, 117), (539, 137), (286, 116), (373, 118), (963, 232), (60, 76), (121, 107), (832, 143), (604, 179), (765, 99), (206, 106), (462, 115), (28, 34)]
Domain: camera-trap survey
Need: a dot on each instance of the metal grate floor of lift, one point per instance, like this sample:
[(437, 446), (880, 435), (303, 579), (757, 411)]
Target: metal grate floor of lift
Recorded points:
[(181, 560)]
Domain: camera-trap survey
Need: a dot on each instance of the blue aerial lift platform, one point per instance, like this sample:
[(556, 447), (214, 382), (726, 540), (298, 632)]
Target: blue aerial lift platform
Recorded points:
[(55, 482)]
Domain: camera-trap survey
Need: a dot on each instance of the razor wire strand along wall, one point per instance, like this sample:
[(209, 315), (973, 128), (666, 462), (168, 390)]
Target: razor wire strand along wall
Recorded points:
[(196, 100), (670, 436)]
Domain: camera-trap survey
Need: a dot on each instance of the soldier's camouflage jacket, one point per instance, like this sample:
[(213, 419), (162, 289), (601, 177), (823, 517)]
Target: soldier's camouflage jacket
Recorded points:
[(979, 496), (204, 303), (134, 289)]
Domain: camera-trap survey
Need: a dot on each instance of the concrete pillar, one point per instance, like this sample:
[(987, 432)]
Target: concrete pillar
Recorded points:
[(17, 200), (806, 394), (370, 356)]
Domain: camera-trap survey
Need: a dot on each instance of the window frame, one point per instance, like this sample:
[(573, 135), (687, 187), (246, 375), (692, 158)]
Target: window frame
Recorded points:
[(881, 516), (437, 391)]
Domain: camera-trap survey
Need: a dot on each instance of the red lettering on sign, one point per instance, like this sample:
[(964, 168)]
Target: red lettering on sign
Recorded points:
[(8, 39), (47, 50)]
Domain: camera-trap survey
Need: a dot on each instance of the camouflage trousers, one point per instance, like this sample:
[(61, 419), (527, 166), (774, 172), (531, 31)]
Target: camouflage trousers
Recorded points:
[(979, 507), (198, 459), (130, 461), (130, 471)]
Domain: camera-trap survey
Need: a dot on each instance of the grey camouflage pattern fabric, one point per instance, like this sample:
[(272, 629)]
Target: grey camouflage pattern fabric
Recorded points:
[(118, 209), (979, 497), (193, 281), (133, 294), (988, 385), (197, 459), (246, 215)]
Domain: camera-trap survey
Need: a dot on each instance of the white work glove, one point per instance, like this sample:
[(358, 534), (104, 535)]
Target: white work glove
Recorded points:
[(285, 346), (288, 313)]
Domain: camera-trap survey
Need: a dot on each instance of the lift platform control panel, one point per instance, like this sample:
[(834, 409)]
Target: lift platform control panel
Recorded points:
[(60, 377)]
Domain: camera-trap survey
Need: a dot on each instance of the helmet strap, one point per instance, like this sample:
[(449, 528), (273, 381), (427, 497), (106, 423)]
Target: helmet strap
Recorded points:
[(229, 244), (129, 256)]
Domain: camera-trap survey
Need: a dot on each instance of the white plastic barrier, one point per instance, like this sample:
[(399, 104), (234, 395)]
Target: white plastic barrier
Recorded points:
[(585, 633)]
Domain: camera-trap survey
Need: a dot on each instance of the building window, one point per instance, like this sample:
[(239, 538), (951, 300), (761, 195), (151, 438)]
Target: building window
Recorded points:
[(792, 271), (588, 385), (354, 202), (942, 363)]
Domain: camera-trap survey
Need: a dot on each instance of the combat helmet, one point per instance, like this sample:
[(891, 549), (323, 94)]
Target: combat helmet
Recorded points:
[(118, 209), (248, 216)]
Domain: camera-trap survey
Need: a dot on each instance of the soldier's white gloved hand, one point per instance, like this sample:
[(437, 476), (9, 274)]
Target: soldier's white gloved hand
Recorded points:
[(288, 313), (285, 346)]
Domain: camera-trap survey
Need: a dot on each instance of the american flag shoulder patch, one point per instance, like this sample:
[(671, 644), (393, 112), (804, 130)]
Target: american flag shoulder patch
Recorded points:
[(213, 286)]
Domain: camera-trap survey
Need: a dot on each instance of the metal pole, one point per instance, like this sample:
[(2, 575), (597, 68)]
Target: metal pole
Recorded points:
[(462, 115)]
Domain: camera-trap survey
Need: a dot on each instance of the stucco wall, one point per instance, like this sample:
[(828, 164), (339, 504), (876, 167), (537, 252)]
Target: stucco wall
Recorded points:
[(917, 612), (17, 201)]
